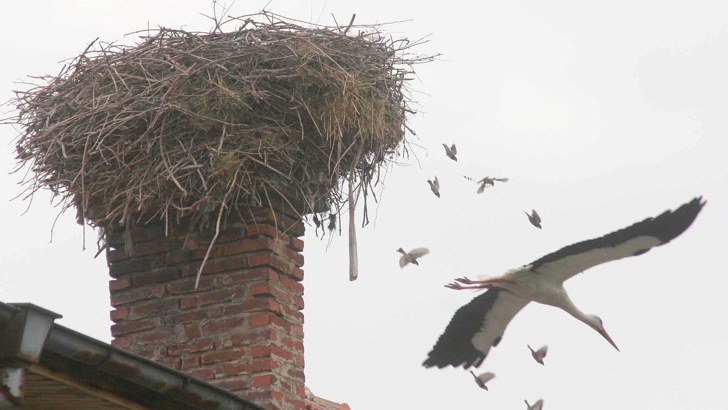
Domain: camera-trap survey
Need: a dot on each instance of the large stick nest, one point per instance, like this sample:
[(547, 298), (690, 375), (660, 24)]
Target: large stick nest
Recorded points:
[(186, 123)]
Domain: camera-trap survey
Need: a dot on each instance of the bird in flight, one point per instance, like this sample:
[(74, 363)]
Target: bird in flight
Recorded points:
[(538, 405), (435, 186), (482, 379), (534, 218), (411, 256), (489, 181), (451, 152), (480, 324), (539, 354)]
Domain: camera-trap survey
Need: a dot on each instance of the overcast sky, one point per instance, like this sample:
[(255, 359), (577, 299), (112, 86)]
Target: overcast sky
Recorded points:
[(600, 116)]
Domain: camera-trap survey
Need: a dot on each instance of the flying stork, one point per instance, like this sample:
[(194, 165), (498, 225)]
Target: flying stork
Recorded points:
[(480, 324)]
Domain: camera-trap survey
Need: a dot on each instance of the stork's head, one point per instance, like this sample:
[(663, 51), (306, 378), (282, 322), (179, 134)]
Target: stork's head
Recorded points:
[(596, 323)]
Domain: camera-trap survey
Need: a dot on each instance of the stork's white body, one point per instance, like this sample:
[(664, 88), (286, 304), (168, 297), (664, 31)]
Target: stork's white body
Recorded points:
[(480, 324)]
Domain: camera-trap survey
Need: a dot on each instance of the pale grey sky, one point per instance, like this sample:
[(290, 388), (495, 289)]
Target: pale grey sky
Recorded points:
[(600, 115)]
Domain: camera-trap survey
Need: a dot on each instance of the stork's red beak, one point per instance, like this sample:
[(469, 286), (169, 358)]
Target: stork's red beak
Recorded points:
[(604, 334)]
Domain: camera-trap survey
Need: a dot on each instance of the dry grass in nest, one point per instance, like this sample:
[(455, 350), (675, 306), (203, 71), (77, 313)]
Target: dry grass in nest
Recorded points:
[(202, 124)]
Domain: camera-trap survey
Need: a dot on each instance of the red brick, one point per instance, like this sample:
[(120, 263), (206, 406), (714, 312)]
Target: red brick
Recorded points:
[(269, 289), (248, 275), (293, 315), (119, 284), (122, 342), (295, 373), (263, 380), (185, 317), (224, 356), (233, 383), (192, 331), (153, 336), (295, 257), (192, 346), (248, 245), (281, 323), (187, 285), (260, 289), (184, 256), (281, 264), (219, 296), (292, 344), (153, 308), (135, 294), (297, 331), (161, 245), (245, 338), (236, 262), (117, 269), (262, 229), (280, 352), (298, 301), (260, 259), (292, 285), (253, 305), (231, 234), (298, 359), (204, 374), (187, 303), (223, 325), (119, 329), (155, 276), (173, 362), (191, 362), (296, 244), (263, 319), (260, 351), (297, 273), (119, 314), (259, 365)]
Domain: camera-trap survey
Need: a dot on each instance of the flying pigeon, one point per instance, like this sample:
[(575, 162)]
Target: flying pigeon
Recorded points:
[(411, 256), (534, 218), (483, 378), (539, 354), (489, 181), (435, 186), (451, 152), (536, 406)]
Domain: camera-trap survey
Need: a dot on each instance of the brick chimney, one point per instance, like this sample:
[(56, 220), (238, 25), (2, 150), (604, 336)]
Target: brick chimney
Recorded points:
[(242, 328)]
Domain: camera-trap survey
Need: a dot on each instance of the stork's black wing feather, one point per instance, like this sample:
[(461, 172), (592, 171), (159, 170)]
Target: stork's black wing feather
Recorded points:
[(474, 328), (633, 240)]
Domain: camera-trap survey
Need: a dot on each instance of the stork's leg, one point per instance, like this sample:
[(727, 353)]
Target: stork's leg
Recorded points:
[(467, 281)]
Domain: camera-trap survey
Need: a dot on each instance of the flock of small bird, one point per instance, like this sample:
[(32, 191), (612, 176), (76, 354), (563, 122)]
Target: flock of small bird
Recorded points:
[(452, 153), (479, 325), (483, 378), (411, 258)]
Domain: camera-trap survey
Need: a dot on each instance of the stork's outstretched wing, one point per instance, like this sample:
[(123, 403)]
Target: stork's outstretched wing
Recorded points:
[(631, 241), (474, 328)]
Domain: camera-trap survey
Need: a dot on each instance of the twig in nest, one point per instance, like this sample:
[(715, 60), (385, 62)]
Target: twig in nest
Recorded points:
[(217, 230)]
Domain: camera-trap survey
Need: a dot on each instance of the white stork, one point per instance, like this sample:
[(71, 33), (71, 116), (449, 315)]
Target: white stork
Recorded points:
[(480, 324)]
